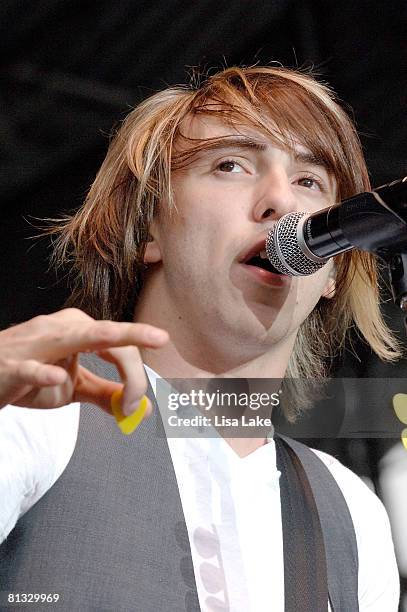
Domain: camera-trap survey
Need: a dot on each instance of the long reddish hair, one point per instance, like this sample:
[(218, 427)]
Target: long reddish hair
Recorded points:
[(104, 241)]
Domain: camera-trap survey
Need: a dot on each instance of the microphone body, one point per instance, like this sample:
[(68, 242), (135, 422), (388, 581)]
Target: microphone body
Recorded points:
[(374, 221)]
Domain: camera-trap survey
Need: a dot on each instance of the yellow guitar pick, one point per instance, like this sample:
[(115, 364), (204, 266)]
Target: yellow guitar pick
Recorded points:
[(127, 424), (400, 408)]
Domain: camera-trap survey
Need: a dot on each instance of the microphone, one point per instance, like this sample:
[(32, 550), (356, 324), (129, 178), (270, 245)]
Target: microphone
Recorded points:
[(375, 221)]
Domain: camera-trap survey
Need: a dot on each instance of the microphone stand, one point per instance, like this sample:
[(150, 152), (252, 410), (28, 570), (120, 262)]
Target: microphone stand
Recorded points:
[(386, 208), (397, 268)]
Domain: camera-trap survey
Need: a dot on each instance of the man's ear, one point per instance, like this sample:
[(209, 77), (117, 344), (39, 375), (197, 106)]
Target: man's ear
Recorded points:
[(330, 286), (152, 253)]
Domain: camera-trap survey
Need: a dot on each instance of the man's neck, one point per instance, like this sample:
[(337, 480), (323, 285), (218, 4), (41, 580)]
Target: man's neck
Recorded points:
[(168, 363), (187, 355)]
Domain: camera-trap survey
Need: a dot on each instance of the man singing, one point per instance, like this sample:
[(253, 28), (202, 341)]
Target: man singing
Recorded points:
[(172, 234)]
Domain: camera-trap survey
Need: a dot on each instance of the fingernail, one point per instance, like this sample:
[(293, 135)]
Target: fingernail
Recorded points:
[(127, 424)]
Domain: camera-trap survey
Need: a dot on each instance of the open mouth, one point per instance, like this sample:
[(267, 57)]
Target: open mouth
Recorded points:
[(261, 261)]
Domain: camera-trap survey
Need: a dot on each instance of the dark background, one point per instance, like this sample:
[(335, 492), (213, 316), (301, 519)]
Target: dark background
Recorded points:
[(71, 71)]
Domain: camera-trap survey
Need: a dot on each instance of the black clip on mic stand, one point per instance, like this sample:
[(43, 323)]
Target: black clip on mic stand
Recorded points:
[(397, 267), (393, 198)]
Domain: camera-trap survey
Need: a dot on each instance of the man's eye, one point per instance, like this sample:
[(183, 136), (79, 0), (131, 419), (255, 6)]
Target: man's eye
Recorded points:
[(229, 166), (311, 183)]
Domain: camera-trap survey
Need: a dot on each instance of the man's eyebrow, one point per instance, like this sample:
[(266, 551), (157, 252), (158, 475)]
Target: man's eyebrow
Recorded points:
[(234, 142), (306, 157)]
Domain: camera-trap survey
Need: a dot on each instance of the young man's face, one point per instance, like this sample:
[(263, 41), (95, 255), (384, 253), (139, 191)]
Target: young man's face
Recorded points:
[(227, 200)]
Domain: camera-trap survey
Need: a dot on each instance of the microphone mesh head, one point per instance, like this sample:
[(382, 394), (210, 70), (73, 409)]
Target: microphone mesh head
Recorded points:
[(284, 250)]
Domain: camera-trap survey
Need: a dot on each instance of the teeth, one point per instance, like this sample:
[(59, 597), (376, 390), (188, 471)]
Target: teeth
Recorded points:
[(263, 254)]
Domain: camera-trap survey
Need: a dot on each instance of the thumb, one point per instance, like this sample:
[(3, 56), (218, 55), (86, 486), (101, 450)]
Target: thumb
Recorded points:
[(97, 390)]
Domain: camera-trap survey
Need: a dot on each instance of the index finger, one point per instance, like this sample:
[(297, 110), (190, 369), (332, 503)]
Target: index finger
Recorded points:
[(90, 335)]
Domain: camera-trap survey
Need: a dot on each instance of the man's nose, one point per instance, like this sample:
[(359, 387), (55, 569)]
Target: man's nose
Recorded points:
[(274, 197)]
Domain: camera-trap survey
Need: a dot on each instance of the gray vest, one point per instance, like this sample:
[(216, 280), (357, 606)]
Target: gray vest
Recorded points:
[(110, 535)]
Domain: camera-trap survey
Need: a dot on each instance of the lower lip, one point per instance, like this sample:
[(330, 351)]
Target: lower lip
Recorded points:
[(266, 277)]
